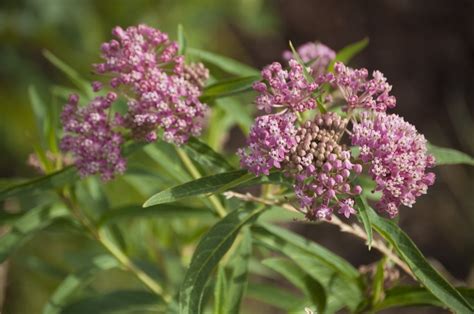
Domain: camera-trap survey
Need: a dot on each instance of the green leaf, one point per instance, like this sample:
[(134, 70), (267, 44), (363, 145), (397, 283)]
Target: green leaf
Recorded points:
[(75, 78), (420, 267), (364, 217), (41, 112), (224, 63), (378, 282), (339, 278), (165, 211), (51, 181), (122, 301), (212, 247), (346, 54), (23, 227), (164, 154), (204, 185), (181, 40), (76, 281), (306, 74), (449, 156), (206, 156), (228, 87), (239, 265), (294, 274), (274, 296), (220, 289)]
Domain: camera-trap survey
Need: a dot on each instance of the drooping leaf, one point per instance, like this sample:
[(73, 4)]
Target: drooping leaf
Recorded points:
[(449, 156), (420, 267), (346, 54), (199, 186), (239, 274), (72, 74), (29, 223), (76, 281), (294, 274), (51, 181), (228, 87), (121, 301), (159, 211), (205, 155), (364, 217), (212, 247), (224, 63)]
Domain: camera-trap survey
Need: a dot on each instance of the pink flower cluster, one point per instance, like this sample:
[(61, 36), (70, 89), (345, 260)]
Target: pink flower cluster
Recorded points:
[(359, 91), (146, 62), (285, 89), (162, 92), (90, 136), (315, 54), (397, 158), (270, 140)]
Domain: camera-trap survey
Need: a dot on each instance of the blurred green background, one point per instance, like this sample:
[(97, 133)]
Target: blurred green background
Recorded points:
[(425, 48)]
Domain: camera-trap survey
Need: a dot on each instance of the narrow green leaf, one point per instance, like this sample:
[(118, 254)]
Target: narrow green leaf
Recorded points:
[(160, 211), (420, 267), (164, 154), (364, 217), (449, 156), (196, 187), (76, 281), (228, 87), (24, 226), (206, 156), (212, 247), (121, 301), (346, 54), (51, 181), (75, 78), (41, 112), (294, 274), (239, 266), (274, 296), (224, 63), (181, 40), (220, 290), (378, 282), (296, 55)]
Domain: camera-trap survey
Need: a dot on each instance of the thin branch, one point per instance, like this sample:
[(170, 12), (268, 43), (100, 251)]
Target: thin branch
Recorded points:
[(353, 229)]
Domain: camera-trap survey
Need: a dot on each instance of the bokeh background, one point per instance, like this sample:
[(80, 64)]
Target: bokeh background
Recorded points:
[(424, 47)]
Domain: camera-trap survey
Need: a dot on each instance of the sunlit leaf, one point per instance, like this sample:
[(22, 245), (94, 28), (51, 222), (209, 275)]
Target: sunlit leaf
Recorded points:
[(449, 156), (228, 87), (181, 40), (346, 54), (224, 63), (205, 155)]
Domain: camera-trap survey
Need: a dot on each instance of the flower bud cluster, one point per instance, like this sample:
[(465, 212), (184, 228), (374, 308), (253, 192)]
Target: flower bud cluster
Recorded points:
[(315, 54), (322, 168), (397, 158)]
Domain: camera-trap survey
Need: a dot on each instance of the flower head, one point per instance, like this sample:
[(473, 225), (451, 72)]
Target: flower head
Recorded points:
[(271, 139), (285, 89), (91, 138), (397, 158)]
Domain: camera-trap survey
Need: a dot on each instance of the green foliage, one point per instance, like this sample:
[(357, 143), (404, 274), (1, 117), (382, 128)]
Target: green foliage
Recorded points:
[(346, 54), (449, 156), (228, 87)]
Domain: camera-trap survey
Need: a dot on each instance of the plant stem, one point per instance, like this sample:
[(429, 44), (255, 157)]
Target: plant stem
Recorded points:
[(123, 259), (352, 229), (220, 210)]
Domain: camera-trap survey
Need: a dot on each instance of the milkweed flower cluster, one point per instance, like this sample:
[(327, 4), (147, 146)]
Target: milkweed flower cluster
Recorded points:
[(397, 158), (313, 152), (162, 93)]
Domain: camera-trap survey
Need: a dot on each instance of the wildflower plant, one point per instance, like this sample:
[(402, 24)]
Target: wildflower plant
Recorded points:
[(325, 146)]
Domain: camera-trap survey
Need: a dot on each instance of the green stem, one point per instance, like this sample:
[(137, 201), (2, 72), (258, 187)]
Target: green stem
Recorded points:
[(123, 259), (220, 210)]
